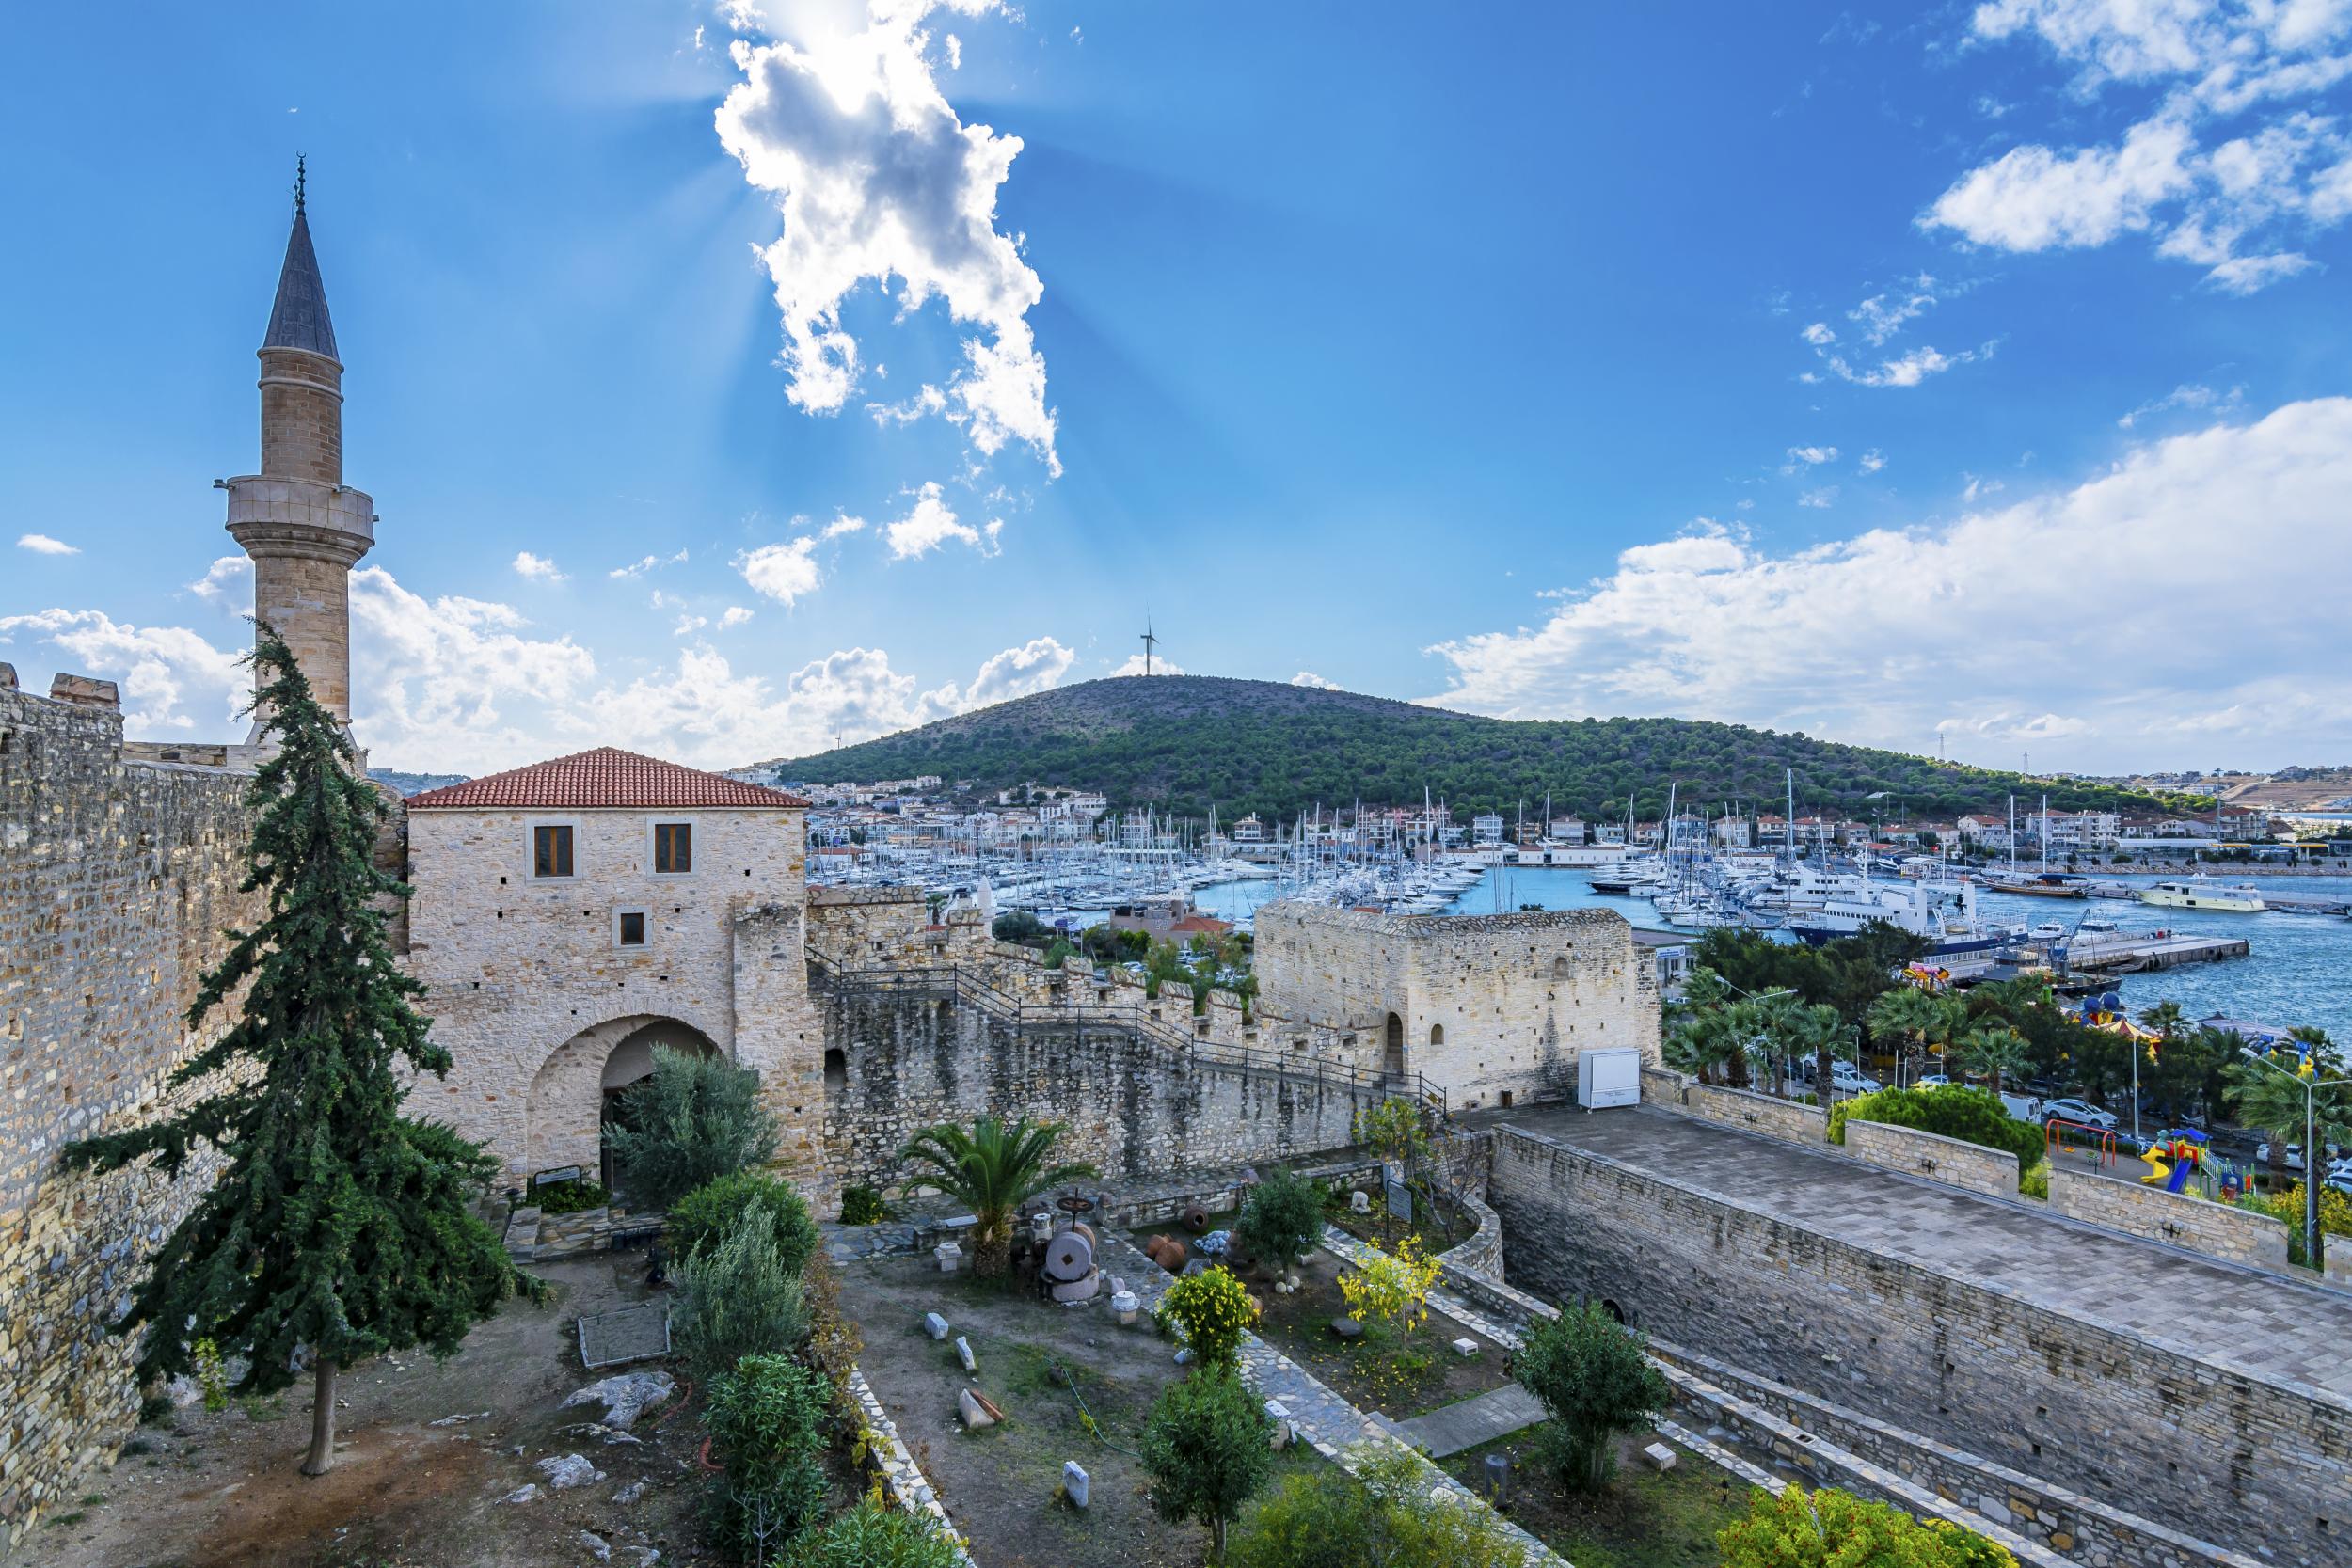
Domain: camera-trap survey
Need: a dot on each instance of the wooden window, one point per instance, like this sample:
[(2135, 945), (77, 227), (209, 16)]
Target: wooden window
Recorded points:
[(551, 851), (632, 929), (673, 846)]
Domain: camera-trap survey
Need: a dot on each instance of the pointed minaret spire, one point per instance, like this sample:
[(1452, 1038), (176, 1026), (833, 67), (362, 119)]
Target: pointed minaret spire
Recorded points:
[(298, 319)]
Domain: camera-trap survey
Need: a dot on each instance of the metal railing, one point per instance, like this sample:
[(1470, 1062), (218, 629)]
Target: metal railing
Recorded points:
[(1135, 1020)]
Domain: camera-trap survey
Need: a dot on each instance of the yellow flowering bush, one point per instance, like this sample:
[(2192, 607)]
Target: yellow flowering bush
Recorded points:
[(1213, 1311), (1392, 1290)]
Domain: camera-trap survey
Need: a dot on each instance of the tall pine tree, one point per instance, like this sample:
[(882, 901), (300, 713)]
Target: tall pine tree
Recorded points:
[(339, 1228)]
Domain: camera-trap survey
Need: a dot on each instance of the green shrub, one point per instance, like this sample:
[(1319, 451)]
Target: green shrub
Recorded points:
[(705, 1215), (1830, 1528), (1214, 1310), (2035, 1182), (1206, 1445), (1280, 1218), (1972, 1116), (1593, 1381), (874, 1535), (568, 1197), (1017, 925), (737, 1299), (767, 1421), (863, 1206), (1327, 1518), (694, 1119)]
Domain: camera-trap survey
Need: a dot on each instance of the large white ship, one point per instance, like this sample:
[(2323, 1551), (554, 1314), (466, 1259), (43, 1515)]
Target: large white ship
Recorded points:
[(2203, 893)]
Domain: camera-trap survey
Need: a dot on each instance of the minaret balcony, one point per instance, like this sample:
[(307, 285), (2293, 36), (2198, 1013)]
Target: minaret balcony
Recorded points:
[(269, 515)]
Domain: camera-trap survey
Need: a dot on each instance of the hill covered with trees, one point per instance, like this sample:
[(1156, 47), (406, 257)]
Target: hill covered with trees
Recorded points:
[(1186, 743)]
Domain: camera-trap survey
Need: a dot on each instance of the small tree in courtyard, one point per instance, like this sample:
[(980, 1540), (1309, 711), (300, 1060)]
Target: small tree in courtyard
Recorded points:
[(696, 1118), (1595, 1383), (992, 1171), (1207, 1444), (1280, 1219), (339, 1228), (1393, 1130)]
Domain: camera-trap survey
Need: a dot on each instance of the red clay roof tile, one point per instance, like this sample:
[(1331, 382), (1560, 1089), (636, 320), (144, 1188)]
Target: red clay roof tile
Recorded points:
[(606, 777)]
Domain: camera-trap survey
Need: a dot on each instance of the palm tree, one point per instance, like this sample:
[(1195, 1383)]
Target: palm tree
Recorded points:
[(1913, 1019), (1996, 1051), (992, 1171), (2275, 1095), (1821, 1032), (2166, 1019)]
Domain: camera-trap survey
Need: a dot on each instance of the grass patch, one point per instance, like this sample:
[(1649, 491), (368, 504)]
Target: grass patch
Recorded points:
[(1643, 1519)]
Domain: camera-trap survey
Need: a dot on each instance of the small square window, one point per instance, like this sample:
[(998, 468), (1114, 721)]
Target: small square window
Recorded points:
[(632, 929), (673, 848), (551, 851)]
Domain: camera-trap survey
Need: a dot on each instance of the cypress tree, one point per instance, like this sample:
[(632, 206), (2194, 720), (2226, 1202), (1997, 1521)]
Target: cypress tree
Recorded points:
[(339, 1228)]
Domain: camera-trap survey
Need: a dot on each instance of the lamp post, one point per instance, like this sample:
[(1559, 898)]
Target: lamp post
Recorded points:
[(2312, 1245)]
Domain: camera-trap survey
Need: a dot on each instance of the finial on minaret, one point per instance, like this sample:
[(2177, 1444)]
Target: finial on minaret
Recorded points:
[(301, 179)]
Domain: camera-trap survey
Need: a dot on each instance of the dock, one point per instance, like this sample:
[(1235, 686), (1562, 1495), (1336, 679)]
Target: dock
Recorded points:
[(2293, 903), (2134, 955)]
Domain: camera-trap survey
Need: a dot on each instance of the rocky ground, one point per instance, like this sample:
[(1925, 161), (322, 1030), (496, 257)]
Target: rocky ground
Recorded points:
[(428, 1453), (998, 1484)]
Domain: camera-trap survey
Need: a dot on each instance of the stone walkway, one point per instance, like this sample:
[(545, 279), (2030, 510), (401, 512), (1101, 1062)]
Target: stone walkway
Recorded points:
[(1466, 1423), (1329, 1423), (2258, 1324)]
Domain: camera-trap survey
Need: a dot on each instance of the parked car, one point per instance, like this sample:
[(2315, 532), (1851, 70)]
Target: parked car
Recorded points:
[(1932, 1080), (1845, 1078), (2293, 1159), (2022, 1107), (2080, 1112)]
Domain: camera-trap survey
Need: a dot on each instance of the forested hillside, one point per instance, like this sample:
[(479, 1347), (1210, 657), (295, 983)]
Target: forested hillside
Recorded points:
[(1186, 743)]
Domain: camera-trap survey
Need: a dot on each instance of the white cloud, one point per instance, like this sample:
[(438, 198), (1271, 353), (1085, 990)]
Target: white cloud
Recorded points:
[(931, 523), (844, 524), (173, 681), (785, 572), (2245, 274), (1037, 665), (539, 567), (735, 615), (1907, 370), (1308, 678), (1819, 334), (453, 683), (878, 178), (2223, 207), (1823, 497), (1964, 619), (1160, 666), (2194, 396), (1808, 456), (1871, 462), (228, 574), (1883, 315), (689, 624), (41, 543), (650, 564)]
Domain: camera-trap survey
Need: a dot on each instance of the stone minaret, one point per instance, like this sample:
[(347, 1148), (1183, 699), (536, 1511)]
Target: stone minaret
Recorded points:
[(302, 525)]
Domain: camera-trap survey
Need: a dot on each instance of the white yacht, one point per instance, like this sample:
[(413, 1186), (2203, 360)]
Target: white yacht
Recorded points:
[(2203, 893)]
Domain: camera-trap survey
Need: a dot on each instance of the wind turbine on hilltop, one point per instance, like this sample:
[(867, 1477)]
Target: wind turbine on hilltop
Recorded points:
[(1149, 641)]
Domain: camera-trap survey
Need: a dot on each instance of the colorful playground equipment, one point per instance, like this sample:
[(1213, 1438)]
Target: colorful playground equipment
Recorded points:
[(2174, 1158)]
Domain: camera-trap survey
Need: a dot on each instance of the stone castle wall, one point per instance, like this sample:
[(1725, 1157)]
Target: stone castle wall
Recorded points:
[(117, 879), (1485, 1006), (2237, 1234), (1950, 1161), (899, 1062), (2214, 1454)]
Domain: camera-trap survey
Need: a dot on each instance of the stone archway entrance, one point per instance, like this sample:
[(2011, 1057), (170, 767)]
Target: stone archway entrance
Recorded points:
[(578, 1088), (1392, 1054)]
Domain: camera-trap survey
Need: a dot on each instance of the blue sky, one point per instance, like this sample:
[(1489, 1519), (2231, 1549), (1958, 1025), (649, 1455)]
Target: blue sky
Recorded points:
[(731, 379)]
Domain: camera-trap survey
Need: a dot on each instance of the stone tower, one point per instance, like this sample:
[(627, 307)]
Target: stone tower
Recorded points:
[(302, 525)]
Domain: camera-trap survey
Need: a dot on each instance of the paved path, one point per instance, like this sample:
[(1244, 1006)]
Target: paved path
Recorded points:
[(2262, 1325), (1466, 1423)]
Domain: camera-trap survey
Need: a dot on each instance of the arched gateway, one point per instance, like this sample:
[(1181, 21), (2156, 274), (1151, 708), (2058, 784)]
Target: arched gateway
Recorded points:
[(577, 1088)]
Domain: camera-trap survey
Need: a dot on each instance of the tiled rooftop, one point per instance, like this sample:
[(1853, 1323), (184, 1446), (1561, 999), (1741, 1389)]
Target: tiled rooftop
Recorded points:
[(606, 777)]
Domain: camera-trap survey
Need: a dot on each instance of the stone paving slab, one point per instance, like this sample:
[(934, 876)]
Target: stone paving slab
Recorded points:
[(1466, 1423), (2243, 1320)]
